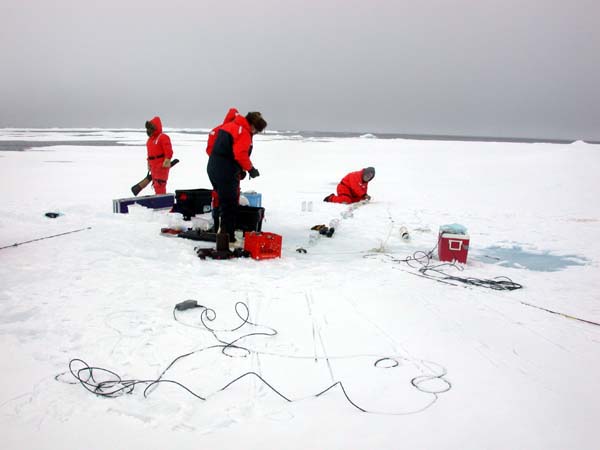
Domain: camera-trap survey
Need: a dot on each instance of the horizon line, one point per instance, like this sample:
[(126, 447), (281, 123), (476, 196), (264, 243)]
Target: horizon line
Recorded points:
[(333, 133)]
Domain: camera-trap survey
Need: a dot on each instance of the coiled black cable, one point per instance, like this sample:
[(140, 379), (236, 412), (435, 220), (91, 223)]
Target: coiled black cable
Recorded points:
[(107, 383), (422, 262)]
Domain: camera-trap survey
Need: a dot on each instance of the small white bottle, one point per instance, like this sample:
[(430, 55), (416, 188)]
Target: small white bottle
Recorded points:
[(309, 206), (303, 206)]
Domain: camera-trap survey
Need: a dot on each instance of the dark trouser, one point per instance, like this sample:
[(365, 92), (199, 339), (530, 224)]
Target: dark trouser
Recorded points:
[(216, 215), (223, 176)]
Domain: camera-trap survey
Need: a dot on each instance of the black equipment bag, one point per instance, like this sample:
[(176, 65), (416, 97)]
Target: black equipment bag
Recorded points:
[(249, 218), (197, 235), (190, 202)]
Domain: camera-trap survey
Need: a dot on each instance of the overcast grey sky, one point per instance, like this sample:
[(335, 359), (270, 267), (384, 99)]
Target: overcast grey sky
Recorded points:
[(508, 68)]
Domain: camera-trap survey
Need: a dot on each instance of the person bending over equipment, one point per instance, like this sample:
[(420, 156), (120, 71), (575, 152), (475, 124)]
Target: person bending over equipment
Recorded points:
[(229, 158), (210, 143), (353, 187)]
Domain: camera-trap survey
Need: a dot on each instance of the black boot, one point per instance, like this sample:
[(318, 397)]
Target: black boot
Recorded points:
[(222, 242)]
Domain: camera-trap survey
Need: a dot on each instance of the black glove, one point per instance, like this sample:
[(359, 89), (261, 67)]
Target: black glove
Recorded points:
[(253, 173)]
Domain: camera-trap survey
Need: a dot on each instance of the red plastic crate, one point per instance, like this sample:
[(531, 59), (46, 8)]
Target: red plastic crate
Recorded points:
[(453, 247), (263, 245)]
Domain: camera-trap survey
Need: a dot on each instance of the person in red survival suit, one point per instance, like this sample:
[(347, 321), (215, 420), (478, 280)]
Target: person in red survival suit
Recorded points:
[(353, 187), (160, 153), (230, 155), (212, 136)]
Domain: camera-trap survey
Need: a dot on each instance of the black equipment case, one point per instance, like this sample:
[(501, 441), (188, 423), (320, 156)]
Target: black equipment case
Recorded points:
[(249, 218), (190, 202)]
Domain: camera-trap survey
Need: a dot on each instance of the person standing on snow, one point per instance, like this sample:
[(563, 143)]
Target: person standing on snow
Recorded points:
[(160, 153), (212, 136), (229, 157), (353, 187)]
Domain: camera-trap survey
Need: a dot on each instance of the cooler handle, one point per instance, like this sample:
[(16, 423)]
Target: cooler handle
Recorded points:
[(455, 245)]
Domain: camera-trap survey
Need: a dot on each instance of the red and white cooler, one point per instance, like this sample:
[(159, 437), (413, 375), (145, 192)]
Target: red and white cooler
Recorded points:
[(453, 247)]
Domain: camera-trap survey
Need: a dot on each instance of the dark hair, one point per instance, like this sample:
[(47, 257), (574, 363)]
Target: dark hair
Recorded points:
[(255, 119)]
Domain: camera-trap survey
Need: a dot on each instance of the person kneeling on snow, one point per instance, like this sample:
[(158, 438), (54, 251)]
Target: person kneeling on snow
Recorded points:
[(353, 187)]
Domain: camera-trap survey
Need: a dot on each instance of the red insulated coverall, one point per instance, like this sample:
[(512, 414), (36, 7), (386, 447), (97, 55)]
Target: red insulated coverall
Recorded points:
[(351, 189), (159, 148), (212, 136), (230, 156), (231, 114)]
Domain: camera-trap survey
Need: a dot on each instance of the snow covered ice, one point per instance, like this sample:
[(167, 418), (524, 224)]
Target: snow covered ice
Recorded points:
[(434, 365)]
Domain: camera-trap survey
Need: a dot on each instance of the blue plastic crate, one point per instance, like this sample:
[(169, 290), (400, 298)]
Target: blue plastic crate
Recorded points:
[(254, 198)]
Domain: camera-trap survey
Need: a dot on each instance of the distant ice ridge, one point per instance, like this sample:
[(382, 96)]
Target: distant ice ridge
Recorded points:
[(368, 136), (580, 143)]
